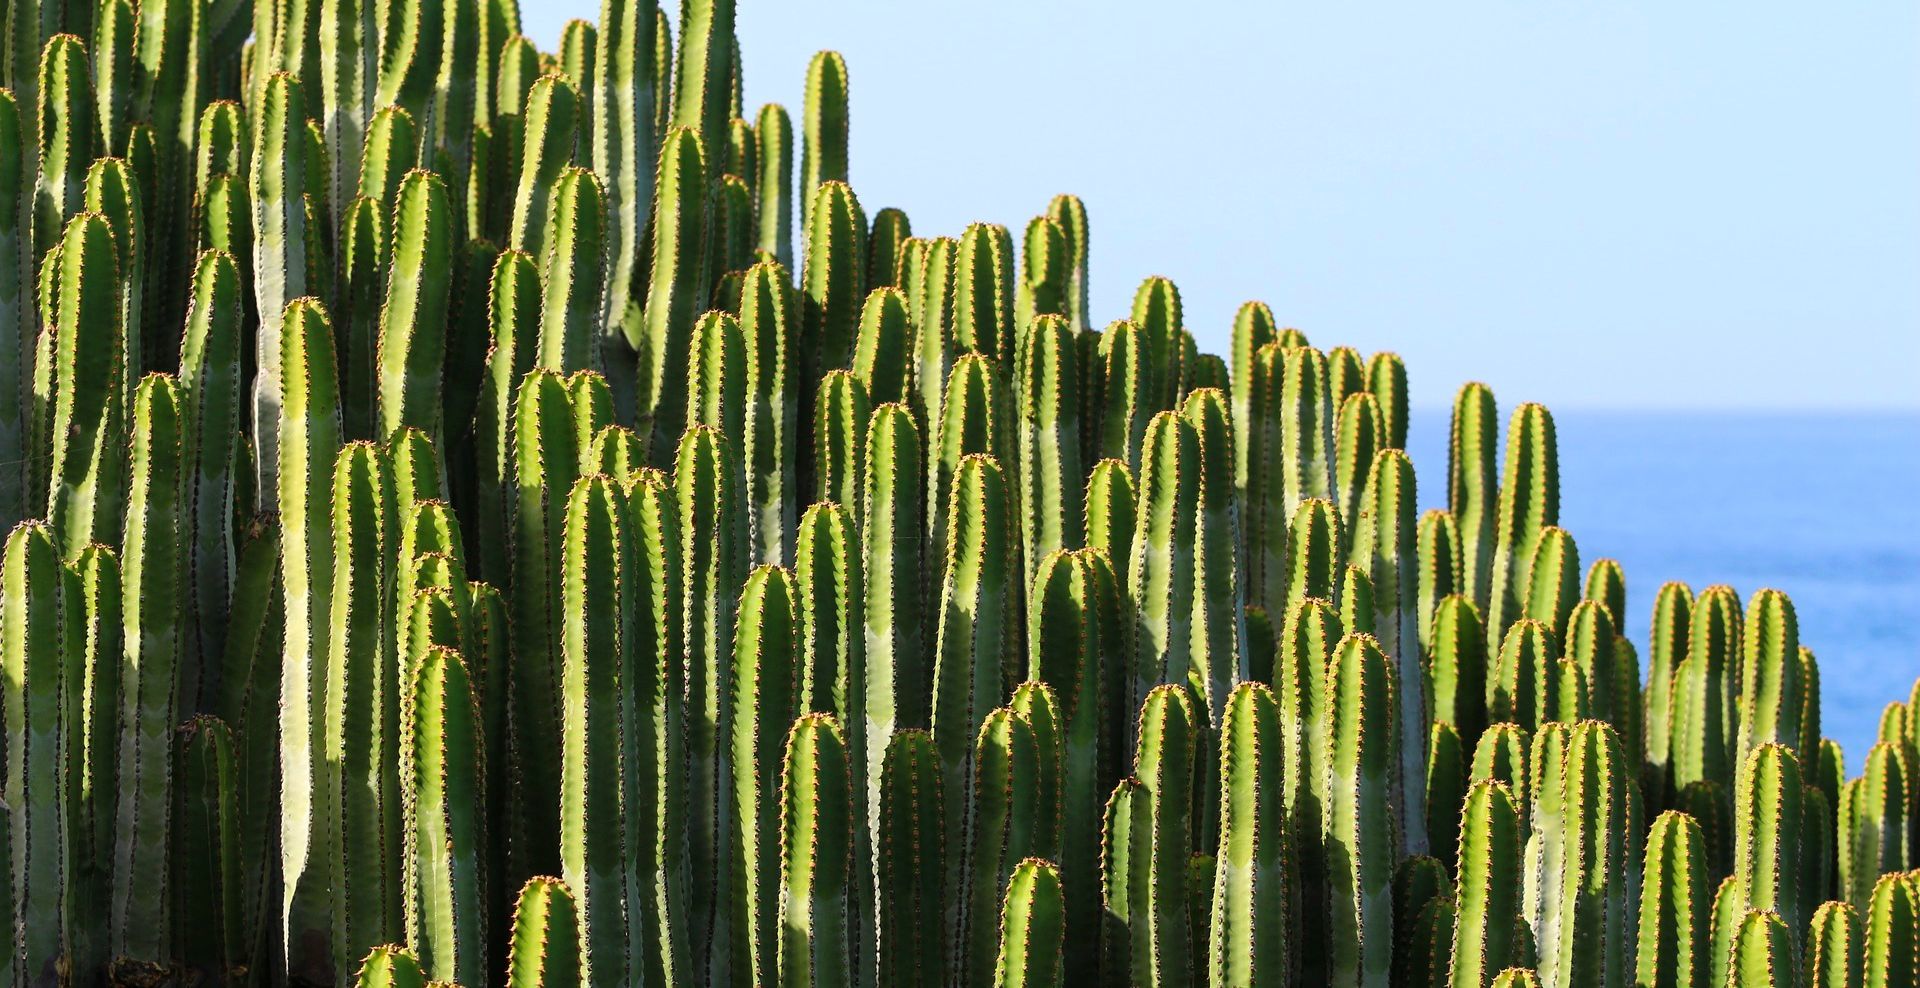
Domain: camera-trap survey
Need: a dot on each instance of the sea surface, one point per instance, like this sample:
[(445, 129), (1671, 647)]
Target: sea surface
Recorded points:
[(1822, 505)]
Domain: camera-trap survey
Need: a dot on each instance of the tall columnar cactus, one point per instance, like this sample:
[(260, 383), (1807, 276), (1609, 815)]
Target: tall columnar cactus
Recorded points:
[(1529, 503), (1703, 718), (597, 611), (1764, 955), (412, 346), (210, 381), (908, 855), (88, 421), (883, 350), (1030, 926), (1675, 905), (1457, 668), (112, 193), (1361, 810), (1875, 825), (1771, 703), (1892, 933), (1253, 330), (1384, 545), (1001, 829), (773, 182), (1669, 636), (573, 274), (1770, 850), (205, 867), (1052, 474), (276, 177), (1487, 930), (1590, 901), (832, 283), (1073, 637), (977, 629), (152, 605), (623, 148), (824, 129), (1218, 653), (1833, 947), (676, 291), (711, 518), (974, 423), (1043, 274), (1127, 392), (840, 415), (1553, 587), (816, 853), (40, 658), (1387, 380), (762, 697), (1163, 556), (1359, 435), (768, 313), (1473, 486), (1160, 841), (983, 293), (545, 944), (1110, 503), (1250, 925), (356, 793), (446, 840), (898, 674), (1437, 549)]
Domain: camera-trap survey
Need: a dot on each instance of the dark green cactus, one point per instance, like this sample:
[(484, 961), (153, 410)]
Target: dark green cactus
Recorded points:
[(676, 291), (1437, 549), (446, 841), (761, 700), (768, 310), (1361, 811), (1250, 913), (816, 855), (908, 819), (832, 283), (88, 419), (41, 659)]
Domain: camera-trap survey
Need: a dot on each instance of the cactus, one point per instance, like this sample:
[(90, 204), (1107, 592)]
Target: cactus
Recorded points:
[(412, 345), (1486, 929), (446, 908), (1875, 823), (1703, 716), (1160, 843), (1000, 830), (1437, 548), (1052, 472), (1472, 486), (1833, 947), (898, 676), (908, 818), (1031, 924), (1163, 554), (832, 283), (1250, 920), (1387, 380), (1361, 810), (573, 274), (1529, 502), (1384, 545), (983, 320), (1770, 699), (1769, 849), (1675, 911), (390, 966), (1110, 512), (545, 950), (883, 349), (816, 852), (1359, 435), (840, 415), (676, 289), (1588, 909), (710, 517), (1127, 391), (1445, 789), (41, 658), (1763, 952), (762, 697), (88, 430), (1072, 636), (1892, 932), (280, 257), (767, 312), (1457, 668)]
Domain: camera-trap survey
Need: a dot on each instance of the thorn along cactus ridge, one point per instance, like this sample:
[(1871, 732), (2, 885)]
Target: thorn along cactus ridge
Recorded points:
[(479, 511)]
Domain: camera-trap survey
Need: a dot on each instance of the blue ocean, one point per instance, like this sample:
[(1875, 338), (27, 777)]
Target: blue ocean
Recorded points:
[(1822, 505)]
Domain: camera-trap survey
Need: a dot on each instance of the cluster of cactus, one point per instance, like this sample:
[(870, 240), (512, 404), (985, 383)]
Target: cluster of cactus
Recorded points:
[(458, 530)]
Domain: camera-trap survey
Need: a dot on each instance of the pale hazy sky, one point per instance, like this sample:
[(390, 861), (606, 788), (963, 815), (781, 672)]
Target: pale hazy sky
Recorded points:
[(1629, 204)]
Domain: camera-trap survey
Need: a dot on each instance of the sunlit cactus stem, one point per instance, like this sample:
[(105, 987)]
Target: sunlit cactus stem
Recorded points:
[(908, 854), (1160, 844), (1031, 924), (762, 697), (276, 180), (1053, 476), (1159, 580), (1002, 827), (1250, 902), (1675, 905), (88, 424), (1590, 902), (154, 595), (817, 822), (769, 310), (545, 944), (573, 273), (1529, 502), (1833, 947), (676, 293), (447, 907)]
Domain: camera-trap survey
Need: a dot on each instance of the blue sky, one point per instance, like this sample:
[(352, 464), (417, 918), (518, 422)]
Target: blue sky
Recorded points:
[(1632, 204)]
